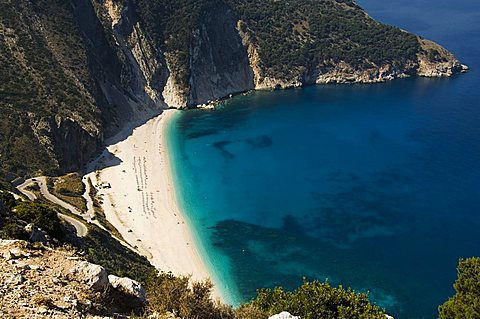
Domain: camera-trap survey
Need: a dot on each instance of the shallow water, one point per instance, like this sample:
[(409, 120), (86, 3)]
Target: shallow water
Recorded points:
[(373, 186)]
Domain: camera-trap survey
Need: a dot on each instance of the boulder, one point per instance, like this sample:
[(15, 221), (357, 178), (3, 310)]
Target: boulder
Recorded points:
[(127, 286), (94, 276), (283, 315)]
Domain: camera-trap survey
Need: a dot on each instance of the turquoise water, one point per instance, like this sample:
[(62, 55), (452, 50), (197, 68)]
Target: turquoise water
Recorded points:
[(373, 186)]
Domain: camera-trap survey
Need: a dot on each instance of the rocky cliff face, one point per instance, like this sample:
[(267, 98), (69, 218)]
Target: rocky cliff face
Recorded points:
[(77, 70), (219, 61)]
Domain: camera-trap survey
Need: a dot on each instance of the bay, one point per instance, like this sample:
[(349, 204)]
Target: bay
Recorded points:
[(376, 187)]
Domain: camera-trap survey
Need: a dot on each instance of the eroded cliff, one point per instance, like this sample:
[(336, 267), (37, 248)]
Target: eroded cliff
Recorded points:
[(76, 71)]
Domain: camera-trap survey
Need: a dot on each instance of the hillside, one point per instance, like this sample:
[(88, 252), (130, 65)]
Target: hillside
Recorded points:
[(73, 72)]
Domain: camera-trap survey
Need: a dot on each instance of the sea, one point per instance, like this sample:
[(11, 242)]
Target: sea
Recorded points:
[(374, 187)]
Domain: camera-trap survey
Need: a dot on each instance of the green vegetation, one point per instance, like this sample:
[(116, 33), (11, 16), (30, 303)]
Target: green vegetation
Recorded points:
[(18, 214), (466, 302), (45, 74), (292, 36), (168, 293), (170, 23), (176, 295), (70, 189), (302, 34), (102, 249), (317, 300), (42, 216)]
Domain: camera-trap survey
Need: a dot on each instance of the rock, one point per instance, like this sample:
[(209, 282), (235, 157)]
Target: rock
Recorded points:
[(94, 276), (8, 255), (389, 317), (23, 266), (283, 315), (15, 279), (36, 267), (17, 253), (127, 286)]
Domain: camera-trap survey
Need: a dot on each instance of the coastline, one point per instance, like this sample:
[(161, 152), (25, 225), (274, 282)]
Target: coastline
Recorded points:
[(140, 200)]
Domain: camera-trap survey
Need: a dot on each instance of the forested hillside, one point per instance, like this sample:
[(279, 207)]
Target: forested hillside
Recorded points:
[(75, 71)]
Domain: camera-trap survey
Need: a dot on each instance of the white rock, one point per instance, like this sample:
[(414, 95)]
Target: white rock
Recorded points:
[(283, 315), (389, 317), (127, 286), (15, 279), (94, 276)]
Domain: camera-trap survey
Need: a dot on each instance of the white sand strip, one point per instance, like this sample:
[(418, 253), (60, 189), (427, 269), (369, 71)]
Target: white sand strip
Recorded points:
[(141, 202)]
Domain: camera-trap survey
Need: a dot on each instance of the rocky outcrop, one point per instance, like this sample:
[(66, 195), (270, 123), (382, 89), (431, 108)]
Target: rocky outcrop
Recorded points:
[(94, 276), (127, 286), (66, 140), (37, 282), (219, 62), (435, 61)]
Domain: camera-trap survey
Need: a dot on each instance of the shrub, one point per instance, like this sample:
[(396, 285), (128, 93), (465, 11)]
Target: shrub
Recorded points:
[(42, 216), (12, 230), (168, 293), (8, 200), (316, 300), (466, 302)]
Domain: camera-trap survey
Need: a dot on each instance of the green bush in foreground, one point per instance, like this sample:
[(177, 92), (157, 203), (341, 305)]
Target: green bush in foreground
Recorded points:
[(466, 302), (168, 293), (315, 300), (42, 216)]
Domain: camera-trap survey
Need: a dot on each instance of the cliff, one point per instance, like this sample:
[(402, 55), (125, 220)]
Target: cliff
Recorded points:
[(77, 70)]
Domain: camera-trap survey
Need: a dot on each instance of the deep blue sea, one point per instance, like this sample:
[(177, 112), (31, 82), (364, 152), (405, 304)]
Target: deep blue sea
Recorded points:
[(376, 187)]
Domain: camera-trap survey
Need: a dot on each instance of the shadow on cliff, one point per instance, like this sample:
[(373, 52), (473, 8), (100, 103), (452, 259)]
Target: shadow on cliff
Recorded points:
[(104, 158)]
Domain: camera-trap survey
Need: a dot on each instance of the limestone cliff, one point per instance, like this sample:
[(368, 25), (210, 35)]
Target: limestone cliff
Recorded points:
[(76, 71)]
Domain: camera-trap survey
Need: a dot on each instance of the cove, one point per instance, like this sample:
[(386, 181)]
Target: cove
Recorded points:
[(376, 187)]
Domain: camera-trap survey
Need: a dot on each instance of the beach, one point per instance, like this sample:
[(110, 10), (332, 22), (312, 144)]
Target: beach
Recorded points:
[(135, 183)]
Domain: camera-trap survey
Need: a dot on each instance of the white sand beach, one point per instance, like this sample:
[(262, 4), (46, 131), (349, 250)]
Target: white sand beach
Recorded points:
[(141, 202)]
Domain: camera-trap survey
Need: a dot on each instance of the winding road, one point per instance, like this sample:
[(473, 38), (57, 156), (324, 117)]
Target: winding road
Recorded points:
[(42, 183)]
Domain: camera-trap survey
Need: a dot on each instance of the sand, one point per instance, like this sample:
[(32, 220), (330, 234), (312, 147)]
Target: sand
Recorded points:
[(141, 202)]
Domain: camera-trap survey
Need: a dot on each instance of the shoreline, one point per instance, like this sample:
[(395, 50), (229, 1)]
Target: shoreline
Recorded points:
[(139, 199)]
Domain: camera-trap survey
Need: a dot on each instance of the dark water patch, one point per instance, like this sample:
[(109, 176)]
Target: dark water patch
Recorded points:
[(259, 142), (221, 145), (373, 186), (198, 134), (276, 258)]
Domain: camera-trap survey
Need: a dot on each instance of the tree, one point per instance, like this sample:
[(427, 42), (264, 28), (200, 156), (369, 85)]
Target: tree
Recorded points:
[(465, 304)]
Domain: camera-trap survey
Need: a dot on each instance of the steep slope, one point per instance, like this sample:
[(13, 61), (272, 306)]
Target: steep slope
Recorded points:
[(74, 71)]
